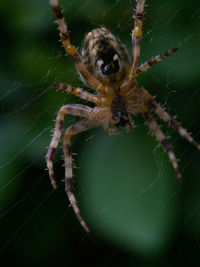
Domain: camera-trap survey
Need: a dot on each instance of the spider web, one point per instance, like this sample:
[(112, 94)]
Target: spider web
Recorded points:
[(125, 186)]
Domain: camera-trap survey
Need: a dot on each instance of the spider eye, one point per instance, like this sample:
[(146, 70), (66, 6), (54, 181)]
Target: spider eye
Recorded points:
[(108, 63)]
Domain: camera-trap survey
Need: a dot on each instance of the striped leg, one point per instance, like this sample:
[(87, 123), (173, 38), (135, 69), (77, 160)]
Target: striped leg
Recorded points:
[(64, 34), (172, 122), (148, 64), (80, 126), (155, 129), (70, 49), (76, 109), (77, 92), (136, 38)]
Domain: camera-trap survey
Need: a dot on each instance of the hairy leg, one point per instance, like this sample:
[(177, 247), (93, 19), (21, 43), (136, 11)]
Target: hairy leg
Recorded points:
[(148, 64), (77, 92), (64, 34), (69, 48), (80, 126), (155, 129), (162, 114), (136, 38), (74, 109)]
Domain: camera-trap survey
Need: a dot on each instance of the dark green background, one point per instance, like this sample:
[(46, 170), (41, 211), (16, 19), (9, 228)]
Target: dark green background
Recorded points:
[(139, 215)]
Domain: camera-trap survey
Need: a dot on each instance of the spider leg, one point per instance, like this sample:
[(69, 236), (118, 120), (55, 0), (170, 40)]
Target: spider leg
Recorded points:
[(136, 38), (69, 48), (148, 64), (74, 129), (64, 34), (75, 109), (77, 92), (172, 122), (155, 129)]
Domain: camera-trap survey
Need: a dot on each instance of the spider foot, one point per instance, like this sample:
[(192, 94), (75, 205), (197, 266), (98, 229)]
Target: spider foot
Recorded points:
[(73, 203)]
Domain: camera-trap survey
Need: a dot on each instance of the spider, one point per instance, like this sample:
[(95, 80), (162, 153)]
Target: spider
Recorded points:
[(105, 66)]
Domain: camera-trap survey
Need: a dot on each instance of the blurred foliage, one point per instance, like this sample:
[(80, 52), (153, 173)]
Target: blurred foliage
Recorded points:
[(127, 190)]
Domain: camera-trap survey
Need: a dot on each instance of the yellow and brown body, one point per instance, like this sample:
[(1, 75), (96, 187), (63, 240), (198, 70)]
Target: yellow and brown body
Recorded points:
[(106, 67)]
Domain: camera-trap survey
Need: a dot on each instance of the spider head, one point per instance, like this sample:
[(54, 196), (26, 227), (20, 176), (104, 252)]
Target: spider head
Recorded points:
[(105, 57)]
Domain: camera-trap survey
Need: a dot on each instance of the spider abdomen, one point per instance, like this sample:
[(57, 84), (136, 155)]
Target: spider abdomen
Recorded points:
[(105, 56)]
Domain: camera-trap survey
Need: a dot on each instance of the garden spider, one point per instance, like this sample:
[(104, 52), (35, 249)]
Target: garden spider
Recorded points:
[(105, 66)]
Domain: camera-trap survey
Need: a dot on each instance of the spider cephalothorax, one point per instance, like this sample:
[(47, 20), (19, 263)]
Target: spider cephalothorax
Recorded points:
[(105, 66), (119, 111)]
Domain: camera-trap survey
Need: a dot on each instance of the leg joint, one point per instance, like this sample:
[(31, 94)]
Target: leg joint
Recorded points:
[(167, 146)]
